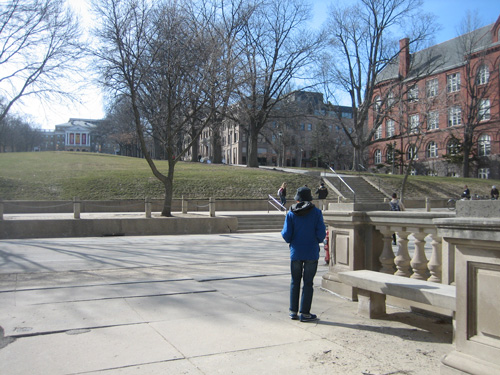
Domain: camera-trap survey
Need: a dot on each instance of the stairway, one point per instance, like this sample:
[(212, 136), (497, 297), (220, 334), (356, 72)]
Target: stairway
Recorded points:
[(254, 223), (365, 192)]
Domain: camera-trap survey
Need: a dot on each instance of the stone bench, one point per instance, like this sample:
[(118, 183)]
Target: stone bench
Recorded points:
[(373, 287)]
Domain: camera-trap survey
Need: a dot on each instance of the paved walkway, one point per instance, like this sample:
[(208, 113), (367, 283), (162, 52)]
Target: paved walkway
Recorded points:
[(200, 304)]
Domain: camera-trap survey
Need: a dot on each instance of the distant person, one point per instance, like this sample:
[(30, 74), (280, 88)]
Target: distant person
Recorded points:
[(282, 193), (322, 193), (303, 230), (494, 192), (466, 193), (395, 205)]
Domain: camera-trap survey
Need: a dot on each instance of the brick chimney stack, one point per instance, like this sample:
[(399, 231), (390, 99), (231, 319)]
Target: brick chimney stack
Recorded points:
[(404, 57)]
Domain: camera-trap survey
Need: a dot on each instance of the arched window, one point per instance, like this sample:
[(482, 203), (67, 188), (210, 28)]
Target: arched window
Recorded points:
[(432, 150), (484, 145), (377, 103), (412, 152), (453, 147), (483, 74), (377, 157)]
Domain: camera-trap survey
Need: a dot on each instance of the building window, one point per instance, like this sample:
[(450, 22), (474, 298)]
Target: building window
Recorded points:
[(454, 116), (414, 123), (432, 150), (432, 87), (413, 94), (483, 113), (378, 132), (377, 157), (378, 103), (309, 127), (390, 99), (484, 145), (302, 127), (433, 120), (389, 128), (483, 75), (483, 173), (453, 147), (412, 152), (453, 82)]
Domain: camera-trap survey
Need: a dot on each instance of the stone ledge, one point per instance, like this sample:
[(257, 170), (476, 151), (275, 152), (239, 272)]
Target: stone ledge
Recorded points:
[(18, 229)]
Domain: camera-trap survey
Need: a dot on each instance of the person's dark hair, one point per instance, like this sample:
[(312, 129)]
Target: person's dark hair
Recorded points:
[(394, 195)]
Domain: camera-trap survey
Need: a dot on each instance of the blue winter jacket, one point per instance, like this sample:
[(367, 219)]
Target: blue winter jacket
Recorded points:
[(304, 229)]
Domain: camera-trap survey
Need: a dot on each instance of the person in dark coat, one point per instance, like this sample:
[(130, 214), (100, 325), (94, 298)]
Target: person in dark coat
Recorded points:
[(304, 229)]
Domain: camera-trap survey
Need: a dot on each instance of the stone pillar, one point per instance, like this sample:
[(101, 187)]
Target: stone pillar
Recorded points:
[(184, 205), (211, 206), (76, 208), (147, 206), (402, 259), (475, 233), (419, 261), (435, 265), (355, 244)]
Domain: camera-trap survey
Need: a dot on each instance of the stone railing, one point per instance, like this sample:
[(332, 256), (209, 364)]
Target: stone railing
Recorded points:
[(461, 248), (363, 240)]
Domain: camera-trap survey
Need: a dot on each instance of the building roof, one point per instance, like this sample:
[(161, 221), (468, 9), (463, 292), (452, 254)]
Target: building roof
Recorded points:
[(440, 57)]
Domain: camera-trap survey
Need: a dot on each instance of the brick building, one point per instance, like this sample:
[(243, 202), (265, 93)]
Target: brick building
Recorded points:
[(428, 104), (304, 131)]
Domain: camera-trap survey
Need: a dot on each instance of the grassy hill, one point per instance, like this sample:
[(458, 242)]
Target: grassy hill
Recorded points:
[(64, 175)]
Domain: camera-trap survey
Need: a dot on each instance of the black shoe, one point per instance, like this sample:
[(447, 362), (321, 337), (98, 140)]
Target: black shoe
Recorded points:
[(308, 318)]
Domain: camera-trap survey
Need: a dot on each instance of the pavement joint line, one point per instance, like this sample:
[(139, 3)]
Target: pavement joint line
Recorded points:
[(56, 332), (95, 285), (126, 297), (241, 277)]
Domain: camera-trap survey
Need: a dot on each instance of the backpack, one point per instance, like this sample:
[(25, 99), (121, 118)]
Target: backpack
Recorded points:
[(279, 191), (395, 206)]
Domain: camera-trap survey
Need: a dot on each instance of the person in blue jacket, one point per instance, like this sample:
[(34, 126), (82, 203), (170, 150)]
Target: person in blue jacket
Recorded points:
[(304, 229)]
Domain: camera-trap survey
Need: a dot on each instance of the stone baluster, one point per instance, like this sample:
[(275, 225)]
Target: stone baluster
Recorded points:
[(435, 263), (387, 257), (402, 259), (419, 261)]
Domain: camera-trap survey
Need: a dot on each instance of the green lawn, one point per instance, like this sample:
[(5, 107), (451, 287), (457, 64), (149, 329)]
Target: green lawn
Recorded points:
[(64, 175)]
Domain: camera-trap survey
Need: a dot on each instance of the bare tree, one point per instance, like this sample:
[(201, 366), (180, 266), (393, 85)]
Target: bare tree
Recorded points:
[(277, 47), (361, 45), (39, 45), (160, 57)]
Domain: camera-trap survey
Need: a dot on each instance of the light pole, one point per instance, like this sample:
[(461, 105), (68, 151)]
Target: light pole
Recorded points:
[(280, 162)]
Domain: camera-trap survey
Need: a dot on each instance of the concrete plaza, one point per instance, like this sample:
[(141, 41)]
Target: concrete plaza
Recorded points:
[(197, 304)]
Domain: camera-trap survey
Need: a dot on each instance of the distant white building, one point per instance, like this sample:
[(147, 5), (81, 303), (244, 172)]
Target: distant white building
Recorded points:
[(74, 135)]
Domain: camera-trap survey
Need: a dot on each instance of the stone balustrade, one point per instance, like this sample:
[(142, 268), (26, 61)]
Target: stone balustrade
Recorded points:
[(462, 246), (363, 240)]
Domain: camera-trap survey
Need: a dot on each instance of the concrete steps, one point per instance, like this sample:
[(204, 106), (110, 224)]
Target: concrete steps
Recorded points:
[(260, 223), (365, 192)]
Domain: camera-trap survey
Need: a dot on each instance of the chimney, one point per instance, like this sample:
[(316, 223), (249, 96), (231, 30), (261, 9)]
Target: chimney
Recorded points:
[(404, 57)]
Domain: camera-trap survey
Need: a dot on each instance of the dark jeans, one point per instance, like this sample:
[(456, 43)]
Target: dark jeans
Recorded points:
[(306, 270)]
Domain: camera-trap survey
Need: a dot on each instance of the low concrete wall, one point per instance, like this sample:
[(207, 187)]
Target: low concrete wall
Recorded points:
[(96, 227), (132, 205)]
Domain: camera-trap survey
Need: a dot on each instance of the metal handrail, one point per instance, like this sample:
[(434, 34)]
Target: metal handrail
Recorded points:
[(276, 204), (345, 183)]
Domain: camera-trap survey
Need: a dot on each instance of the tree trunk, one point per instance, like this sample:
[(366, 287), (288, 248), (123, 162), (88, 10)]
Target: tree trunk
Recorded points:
[(194, 150), (252, 150), (216, 146), (168, 183)]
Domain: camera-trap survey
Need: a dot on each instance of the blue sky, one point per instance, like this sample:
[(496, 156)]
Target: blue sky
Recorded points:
[(449, 14)]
